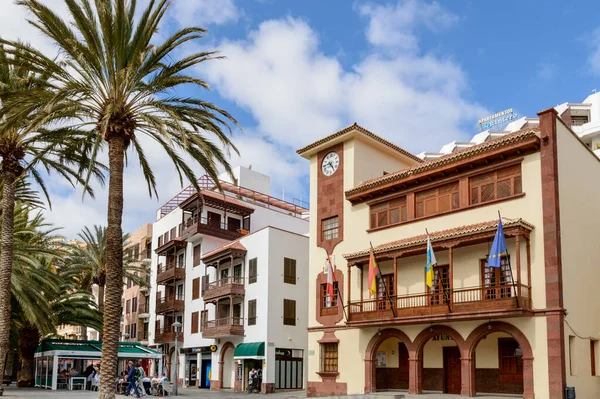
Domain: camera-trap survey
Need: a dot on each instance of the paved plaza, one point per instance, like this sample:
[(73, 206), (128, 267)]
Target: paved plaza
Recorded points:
[(30, 393)]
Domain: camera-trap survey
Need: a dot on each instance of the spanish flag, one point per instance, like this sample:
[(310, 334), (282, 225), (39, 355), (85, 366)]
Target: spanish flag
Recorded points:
[(431, 262), (373, 272)]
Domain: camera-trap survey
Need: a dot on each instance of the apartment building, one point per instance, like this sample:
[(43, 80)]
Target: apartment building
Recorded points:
[(528, 327), (227, 266), (136, 299)]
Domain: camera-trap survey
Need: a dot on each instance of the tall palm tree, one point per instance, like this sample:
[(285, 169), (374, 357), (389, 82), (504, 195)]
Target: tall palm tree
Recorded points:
[(23, 153), (112, 77), (87, 264)]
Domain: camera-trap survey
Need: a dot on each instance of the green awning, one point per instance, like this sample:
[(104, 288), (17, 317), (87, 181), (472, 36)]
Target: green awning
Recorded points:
[(250, 350), (93, 349)]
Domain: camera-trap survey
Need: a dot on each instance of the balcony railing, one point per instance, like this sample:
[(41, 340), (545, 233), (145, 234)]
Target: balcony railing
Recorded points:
[(143, 309), (223, 327), (170, 303), (202, 225), (468, 301), (166, 335), (233, 285), (170, 271)]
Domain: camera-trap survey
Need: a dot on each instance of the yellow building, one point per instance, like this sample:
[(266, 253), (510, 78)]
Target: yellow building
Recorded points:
[(529, 327)]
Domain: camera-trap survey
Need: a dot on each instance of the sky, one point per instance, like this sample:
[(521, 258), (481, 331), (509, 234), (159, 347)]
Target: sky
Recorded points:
[(418, 73)]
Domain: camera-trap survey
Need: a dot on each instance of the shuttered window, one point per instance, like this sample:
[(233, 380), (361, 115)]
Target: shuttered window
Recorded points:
[(196, 288), (390, 212), (496, 185), (289, 312), (197, 256), (204, 283), (195, 322), (203, 319), (252, 272), (160, 241), (252, 312), (173, 233), (329, 358), (289, 271), (437, 200)]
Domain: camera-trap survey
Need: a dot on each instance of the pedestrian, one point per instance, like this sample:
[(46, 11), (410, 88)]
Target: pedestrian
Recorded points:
[(140, 377), (251, 377), (131, 378)]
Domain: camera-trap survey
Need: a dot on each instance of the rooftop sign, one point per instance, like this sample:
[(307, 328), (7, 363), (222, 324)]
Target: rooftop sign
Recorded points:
[(497, 119)]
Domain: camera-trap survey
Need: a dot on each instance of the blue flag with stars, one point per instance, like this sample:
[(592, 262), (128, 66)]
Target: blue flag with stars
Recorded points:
[(498, 247)]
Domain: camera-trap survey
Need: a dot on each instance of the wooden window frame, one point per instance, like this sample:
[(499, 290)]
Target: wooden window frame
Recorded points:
[(197, 255), (516, 184), (252, 270), (383, 302), (438, 292), (196, 288), (329, 357), (289, 319), (454, 203), (333, 309), (330, 228), (289, 271), (380, 213), (203, 284), (508, 376), (195, 322), (160, 241), (252, 312), (499, 289), (203, 319)]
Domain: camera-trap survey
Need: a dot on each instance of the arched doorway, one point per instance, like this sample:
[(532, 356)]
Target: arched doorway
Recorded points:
[(438, 354), (387, 361), (502, 360), (226, 367)]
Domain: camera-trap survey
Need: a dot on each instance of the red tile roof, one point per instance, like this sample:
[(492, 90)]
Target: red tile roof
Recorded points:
[(233, 245)]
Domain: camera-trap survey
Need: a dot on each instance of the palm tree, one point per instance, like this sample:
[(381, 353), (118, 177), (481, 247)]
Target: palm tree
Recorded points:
[(23, 151), (87, 264), (111, 77)]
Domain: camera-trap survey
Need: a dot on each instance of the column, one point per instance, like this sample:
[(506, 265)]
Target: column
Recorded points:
[(369, 376), (54, 371), (518, 256), (415, 377), (527, 378), (349, 285), (451, 277), (467, 375)]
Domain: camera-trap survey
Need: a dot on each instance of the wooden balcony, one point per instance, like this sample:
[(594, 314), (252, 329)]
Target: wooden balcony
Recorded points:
[(223, 327), (232, 285), (195, 225), (143, 310), (166, 335), (172, 303), (169, 272), (457, 304)]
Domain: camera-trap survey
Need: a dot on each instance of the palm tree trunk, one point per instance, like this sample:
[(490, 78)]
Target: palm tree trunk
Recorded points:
[(114, 269), (6, 259), (101, 290), (29, 339)]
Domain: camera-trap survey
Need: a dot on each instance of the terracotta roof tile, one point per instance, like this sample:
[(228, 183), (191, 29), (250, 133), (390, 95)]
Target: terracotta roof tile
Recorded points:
[(446, 159), (237, 245), (442, 235), (364, 131)]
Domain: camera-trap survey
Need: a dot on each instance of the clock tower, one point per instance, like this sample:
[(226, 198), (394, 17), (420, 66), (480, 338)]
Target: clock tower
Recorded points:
[(330, 197)]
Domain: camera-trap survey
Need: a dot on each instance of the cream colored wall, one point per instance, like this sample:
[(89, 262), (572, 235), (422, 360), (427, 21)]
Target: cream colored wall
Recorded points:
[(390, 348), (579, 197), (377, 159), (433, 353)]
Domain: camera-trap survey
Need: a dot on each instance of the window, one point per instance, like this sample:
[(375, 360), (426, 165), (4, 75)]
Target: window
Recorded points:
[(437, 200), (127, 329), (572, 356), (330, 228), (203, 319), (160, 241), (329, 358), (593, 355), (252, 312), (510, 360), (289, 312), (289, 271), (440, 287), (387, 213), (136, 252), (495, 185), (224, 274), (179, 292), (578, 120), (204, 284), (197, 255), (166, 237), (233, 224), (331, 307), (195, 322), (133, 333), (497, 281), (129, 283), (196, 288), (181, 260), (173, 233), (253, 272), (134, 305), (385, 287), (128, 306)]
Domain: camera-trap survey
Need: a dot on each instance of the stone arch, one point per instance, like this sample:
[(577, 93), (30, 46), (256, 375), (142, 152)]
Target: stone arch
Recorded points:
[(226, 346), (498, 326), (415, 383), (371, 351)]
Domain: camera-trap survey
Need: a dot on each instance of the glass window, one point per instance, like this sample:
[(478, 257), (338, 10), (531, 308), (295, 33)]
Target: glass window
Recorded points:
[(329, 357), (496, 185), (330, 228)]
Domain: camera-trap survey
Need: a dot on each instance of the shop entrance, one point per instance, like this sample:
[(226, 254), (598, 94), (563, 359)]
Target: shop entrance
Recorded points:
[(289, 368), (205, 373), (192, 372)]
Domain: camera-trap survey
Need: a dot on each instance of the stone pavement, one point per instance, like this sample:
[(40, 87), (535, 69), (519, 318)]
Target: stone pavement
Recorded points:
[(31, 393)]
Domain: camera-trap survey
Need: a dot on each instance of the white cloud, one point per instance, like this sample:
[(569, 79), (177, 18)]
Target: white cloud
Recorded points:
[(594, 57), (204, 12), (394, 25)]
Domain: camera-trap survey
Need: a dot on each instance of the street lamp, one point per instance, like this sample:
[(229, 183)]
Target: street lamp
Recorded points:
[(176, 329)]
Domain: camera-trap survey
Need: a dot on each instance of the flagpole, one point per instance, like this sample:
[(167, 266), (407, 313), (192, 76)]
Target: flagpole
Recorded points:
[(340, 293), (512, 276), (384, 285), (446, 295)]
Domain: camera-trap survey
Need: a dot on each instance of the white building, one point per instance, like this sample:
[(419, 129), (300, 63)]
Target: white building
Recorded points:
[(224, 265)]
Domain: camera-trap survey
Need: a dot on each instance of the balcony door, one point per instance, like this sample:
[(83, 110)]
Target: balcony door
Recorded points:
[(497, 281), (440, 288), (385, 284), (214, 219)]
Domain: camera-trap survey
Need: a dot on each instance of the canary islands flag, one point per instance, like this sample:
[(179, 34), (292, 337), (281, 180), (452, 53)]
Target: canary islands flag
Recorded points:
[(431, 262), (373, 272), (498, 247)]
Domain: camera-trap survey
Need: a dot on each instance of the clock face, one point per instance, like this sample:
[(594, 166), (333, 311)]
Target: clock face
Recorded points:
[(330, 163)]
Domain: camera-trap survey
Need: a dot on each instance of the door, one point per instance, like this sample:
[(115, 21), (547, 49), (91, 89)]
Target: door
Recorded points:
[(497, 281), (403, 365), (214, 219), (193, 370), (205, 373), (385, 288), (451, 369), (440, 289)]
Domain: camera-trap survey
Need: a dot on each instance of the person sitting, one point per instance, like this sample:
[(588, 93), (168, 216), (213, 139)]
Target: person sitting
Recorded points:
[(164, 383), (74, 372)]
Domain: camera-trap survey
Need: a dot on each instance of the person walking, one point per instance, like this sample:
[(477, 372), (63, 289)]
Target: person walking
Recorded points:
[(140, 377), (131, 378)]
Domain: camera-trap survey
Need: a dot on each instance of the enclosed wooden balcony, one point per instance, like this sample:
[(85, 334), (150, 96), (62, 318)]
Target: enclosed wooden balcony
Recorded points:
[(170, 271), (225, 327), (169, 303), (165, 335), (233, 285), (195, 225)]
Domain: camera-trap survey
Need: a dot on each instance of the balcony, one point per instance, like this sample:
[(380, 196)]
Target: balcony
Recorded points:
[(164, 335), (195, 225), (171, 303), (458, 304), (170, 271), (233, 285), (143, 311), (223, 327)]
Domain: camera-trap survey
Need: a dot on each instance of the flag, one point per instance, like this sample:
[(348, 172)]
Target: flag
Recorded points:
[(431, 262), (373, 272), (329, 289), (498, 247)]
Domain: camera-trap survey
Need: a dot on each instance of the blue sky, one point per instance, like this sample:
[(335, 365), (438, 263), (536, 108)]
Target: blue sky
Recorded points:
[(418, 73)]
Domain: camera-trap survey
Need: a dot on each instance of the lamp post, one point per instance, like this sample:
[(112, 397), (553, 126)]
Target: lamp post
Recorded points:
[(176, 329)]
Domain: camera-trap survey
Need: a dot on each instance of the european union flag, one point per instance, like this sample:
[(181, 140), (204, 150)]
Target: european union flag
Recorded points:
[(498, 247)]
